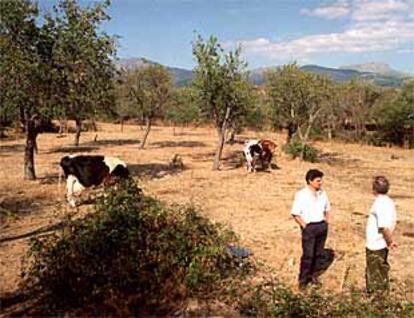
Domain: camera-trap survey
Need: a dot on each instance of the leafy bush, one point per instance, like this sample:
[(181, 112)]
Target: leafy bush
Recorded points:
[(306, 152), (270, 298), (133, 252)]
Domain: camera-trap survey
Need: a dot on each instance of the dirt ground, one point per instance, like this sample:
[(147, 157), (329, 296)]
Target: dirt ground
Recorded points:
[(256, 205)]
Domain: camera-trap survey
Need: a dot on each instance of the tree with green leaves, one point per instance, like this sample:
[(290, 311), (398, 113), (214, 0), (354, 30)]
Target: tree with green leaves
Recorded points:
[(395, 116), (25, 69), (297, 97), (83, 61), (221, 83), (359, 98), (145, 93), (182, 109)]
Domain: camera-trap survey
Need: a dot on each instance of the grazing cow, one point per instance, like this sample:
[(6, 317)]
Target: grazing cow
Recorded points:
[(252, 150), (268, 149), (258, 149), (83, 172)]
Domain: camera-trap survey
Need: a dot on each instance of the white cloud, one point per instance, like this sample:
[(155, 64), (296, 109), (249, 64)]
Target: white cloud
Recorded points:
[(369, 10), (333, 11), (406, 51), (375, 26)]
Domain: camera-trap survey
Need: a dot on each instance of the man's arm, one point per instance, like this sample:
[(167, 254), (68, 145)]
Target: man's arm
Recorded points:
[(328, 217), (299, 220), (388, 237)]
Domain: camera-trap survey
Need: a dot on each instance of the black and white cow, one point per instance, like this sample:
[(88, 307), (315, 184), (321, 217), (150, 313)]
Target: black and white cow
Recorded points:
[(252, 151), (83, 172)]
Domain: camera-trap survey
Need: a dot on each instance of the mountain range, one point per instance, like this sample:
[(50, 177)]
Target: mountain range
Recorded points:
[(377, 73)]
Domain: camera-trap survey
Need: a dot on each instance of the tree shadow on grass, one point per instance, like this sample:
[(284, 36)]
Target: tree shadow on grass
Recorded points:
[(16, 206), (336, 159), (234, 160), (51, 178), (203, 157), (153, 170), (165, 144), (73, 149), (401, 196), (12, 148), (112, 142)]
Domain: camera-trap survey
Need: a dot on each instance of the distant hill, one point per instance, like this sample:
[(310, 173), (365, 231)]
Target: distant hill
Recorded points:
[(182, 77), (341, 75), (378, 68), (377, 73)]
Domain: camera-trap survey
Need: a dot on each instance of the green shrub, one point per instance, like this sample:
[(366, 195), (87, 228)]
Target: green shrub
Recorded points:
[(133, 251), (298, 150), (270, 298)]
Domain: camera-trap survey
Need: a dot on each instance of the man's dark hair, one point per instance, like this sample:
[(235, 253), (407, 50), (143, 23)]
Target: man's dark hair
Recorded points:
[(380, 185), (313, 174)]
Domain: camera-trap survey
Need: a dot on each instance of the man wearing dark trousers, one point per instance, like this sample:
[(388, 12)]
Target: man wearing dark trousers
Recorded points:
[(379, 237), (311, 210)]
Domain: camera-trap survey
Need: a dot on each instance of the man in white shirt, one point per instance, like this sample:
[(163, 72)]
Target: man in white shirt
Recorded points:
[(379, 236), (311, 210)]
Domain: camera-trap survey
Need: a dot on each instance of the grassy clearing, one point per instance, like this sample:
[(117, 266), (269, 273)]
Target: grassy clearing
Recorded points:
[(255, 206)]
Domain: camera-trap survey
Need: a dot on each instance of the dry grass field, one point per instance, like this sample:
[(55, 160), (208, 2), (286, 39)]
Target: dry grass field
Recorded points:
[(256, 206)]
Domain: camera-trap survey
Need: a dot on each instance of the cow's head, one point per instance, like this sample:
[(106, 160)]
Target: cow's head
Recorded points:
[(268, 145), (67, 166)]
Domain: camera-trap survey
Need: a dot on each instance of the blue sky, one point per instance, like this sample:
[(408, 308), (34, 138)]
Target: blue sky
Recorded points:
[(272, 32)]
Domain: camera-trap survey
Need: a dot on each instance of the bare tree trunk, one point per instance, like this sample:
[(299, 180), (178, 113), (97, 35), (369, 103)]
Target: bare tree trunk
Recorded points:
[(147, 131), (2, 128), (23, 120), (231, 139), (94, 127), (221, 140), (122, 124), (60, 127), (31, 135), (411, 137), (78, 131)]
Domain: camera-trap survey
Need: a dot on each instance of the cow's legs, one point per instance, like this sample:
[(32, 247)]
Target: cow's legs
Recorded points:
[(74, 189), (249, 161)]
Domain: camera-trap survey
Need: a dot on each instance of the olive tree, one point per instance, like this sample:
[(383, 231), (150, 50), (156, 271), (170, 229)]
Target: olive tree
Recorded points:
[(144, 94), (83, 61), (221, 83), (25, 69), (297, 97)]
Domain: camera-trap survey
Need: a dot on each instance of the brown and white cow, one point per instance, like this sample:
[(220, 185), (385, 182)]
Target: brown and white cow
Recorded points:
[(262, 150), (268, 149), (86, 171)]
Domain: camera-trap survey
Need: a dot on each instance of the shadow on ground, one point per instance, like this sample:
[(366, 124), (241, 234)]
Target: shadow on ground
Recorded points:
[(52, 178), (327, 260), (165, 144), (336, 159), (12, 148), (73, 149), (401, 196), (12, 207), (203, 157), (113, 142), (153, 170), (234, 160)]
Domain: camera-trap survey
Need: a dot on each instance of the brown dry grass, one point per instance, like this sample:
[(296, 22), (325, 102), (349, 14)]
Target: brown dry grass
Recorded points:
[(256, 206)]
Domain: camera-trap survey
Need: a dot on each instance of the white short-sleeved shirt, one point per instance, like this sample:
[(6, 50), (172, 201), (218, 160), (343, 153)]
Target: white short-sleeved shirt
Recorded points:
[(309, 206), (382, 215)]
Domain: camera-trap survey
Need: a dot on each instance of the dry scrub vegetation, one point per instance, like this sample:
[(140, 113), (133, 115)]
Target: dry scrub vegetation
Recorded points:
[(256, 206)]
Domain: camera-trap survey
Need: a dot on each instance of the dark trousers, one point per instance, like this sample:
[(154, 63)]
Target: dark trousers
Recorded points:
[(313, 243), (377, 270)]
